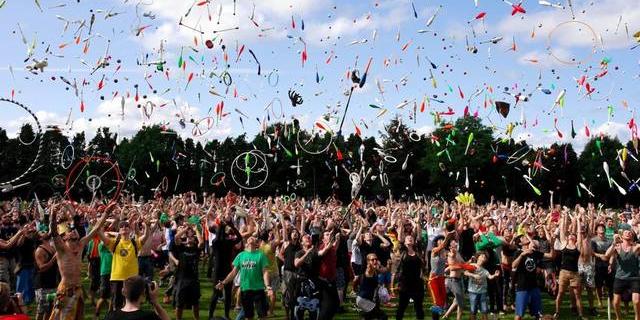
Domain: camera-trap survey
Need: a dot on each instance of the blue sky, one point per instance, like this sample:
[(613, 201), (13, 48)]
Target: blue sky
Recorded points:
[(350, 32)]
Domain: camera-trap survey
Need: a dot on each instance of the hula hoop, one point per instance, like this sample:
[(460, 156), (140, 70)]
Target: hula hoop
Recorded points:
[(93, 182), (302, 146), (390, 158), (164, 185), (253, 166), (131, 175), (215, 182), (270, 107), (277, 78), (354, 178), (412, 135), (35, 137), (258, 155), (226, 78), (197, 132), (31, 167), (68, 153), (589, 28), (146, 111), (85, 162)]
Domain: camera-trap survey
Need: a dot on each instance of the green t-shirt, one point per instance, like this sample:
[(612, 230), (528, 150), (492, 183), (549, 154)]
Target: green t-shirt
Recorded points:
[(608, 233), (105, 259), (251, 264)]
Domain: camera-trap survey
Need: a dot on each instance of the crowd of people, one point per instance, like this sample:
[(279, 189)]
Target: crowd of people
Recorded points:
[(317, 259)]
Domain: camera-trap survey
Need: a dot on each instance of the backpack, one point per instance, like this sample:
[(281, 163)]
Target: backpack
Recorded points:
[(133, 241)]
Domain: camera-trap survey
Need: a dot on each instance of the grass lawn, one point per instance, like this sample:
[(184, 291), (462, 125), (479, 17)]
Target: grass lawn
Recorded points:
[(206, 287)]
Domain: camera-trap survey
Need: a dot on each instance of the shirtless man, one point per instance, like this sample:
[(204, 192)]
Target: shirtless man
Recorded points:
[(69, 303)]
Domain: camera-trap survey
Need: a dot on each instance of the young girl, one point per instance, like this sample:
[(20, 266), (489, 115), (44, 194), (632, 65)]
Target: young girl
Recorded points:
[(478, 286)]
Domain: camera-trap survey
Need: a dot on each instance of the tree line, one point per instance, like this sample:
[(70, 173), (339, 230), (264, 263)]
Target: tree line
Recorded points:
[(460, 156)]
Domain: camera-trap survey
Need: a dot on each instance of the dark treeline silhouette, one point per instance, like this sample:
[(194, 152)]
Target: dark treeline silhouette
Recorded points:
[(436, 165)]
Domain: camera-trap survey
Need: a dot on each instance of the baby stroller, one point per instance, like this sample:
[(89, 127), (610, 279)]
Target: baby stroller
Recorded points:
[(302, 296)]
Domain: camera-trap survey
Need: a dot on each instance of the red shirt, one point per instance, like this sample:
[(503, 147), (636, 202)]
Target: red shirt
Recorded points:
[(328, 264)]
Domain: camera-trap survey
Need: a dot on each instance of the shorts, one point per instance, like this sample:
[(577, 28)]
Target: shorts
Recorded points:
[(187, 294), (384, 278), (287, 277), (117, 299), (587, 275), (528, 298), (274, 280), (357, 269), (454, 285), (603, 277), (44, 305), (104, 292), (251, 298), (622, 285), (341, 278), (569, 279), (478, 303), (69, 304), (94, 274)]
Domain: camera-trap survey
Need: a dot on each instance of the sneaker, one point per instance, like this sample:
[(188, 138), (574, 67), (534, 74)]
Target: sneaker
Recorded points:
[(437, 310)]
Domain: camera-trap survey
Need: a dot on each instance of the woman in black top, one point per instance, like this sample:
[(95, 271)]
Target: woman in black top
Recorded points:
[(369, 286), (410, 280), (570, 254)]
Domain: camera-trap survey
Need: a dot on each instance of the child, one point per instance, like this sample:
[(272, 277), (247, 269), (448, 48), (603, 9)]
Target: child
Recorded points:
[(478, 286)]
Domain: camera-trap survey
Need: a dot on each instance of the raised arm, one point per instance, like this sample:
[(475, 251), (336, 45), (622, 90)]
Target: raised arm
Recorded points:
[(53, 229), (98, 225)]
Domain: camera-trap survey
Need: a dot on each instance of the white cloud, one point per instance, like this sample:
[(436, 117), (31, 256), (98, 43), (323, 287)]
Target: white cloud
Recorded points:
[(545, 139), (268, 14), (602, 16), (109, 114)]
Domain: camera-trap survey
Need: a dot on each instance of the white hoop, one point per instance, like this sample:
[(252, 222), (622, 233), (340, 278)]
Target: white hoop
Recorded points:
[(258, 156), (93, 182), (68, 153)]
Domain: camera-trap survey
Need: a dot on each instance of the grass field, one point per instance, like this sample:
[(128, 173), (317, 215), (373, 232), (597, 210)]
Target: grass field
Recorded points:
[(206, 287)]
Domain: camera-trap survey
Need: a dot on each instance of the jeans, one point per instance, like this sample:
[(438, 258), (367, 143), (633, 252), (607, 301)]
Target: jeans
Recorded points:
[(24, 284), (530, 298)]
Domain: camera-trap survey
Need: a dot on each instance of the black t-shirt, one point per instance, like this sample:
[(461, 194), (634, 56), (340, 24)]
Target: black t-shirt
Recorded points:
[(26, 253), (310, 268), (133, 315), (383, 254), (188, 258), (527, 273), (290, 256), (222, 252), (365, 249), (410, 269)]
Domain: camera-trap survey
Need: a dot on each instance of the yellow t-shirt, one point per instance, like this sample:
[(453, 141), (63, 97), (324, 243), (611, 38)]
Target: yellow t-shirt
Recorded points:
[(271, 256), (125, 261)]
